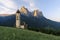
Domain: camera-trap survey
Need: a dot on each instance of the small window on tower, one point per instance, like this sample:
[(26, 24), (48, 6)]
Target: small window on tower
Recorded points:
[(17, 17)]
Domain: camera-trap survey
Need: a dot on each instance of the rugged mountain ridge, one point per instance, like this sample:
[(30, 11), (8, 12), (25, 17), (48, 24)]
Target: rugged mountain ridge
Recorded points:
[(35, 20), (35, 13), (24, 10), (5, 14)]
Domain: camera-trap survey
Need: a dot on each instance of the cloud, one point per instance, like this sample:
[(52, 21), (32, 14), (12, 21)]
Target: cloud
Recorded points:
[(25, 0), (5, 10), (8, 6), (31, 5), (55, 19), (8, 3)]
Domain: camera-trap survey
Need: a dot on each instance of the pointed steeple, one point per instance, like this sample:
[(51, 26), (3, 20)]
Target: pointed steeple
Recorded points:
[(18, 11), (18, 19)]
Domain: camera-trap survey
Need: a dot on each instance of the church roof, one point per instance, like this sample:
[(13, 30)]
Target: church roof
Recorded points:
[(18, 11)]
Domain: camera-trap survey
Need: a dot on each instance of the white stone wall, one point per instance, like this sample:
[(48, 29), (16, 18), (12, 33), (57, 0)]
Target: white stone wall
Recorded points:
[(22, 26), (17, 20)]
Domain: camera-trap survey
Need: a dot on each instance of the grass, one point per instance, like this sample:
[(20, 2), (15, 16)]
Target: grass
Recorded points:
[(7, 33)]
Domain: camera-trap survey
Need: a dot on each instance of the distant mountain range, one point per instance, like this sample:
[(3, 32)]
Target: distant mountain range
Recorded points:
[(5, 14), (34, 19)]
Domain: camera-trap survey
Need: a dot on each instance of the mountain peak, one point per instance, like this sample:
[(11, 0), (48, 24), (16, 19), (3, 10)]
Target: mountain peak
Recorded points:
[(5, 14), (37, 13), (23, 10)]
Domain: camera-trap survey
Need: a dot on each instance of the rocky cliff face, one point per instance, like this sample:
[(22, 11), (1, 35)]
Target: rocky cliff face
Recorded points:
[(37, 13), (24, 10)]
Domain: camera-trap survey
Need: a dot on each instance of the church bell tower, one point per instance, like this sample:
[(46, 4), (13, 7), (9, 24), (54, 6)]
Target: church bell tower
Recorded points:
[(18, 19)]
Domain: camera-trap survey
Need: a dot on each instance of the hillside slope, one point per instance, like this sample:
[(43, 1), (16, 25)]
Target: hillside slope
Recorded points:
[(34, 20), (7, 33)]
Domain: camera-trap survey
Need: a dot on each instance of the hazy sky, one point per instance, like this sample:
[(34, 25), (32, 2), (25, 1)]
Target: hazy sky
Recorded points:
[(50, 8)]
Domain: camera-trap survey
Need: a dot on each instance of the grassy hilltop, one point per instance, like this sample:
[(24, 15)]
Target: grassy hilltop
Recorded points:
[(7, 33)]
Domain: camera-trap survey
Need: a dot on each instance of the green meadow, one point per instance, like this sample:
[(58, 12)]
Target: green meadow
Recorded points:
[(8, 33)]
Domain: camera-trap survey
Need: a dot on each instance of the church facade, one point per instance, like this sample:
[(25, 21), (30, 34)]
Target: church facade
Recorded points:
[(18, 21)]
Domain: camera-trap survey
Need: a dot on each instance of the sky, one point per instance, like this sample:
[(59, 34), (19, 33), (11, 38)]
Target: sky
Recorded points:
[(49, 8)]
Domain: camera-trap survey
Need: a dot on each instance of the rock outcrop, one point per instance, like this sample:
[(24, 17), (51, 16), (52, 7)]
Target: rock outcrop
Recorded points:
[(23, 10), (37, 13)]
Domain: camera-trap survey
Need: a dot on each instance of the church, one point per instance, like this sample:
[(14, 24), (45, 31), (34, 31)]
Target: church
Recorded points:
[(18, 21)]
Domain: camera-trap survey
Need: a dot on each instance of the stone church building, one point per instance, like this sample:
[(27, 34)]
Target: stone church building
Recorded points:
[(18, 21)]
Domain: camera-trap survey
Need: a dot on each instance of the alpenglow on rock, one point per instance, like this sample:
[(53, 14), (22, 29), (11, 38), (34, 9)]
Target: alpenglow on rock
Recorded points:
[(23, 10), (37, 13)]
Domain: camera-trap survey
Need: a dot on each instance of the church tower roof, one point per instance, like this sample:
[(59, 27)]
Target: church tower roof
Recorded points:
[(18, 11)]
